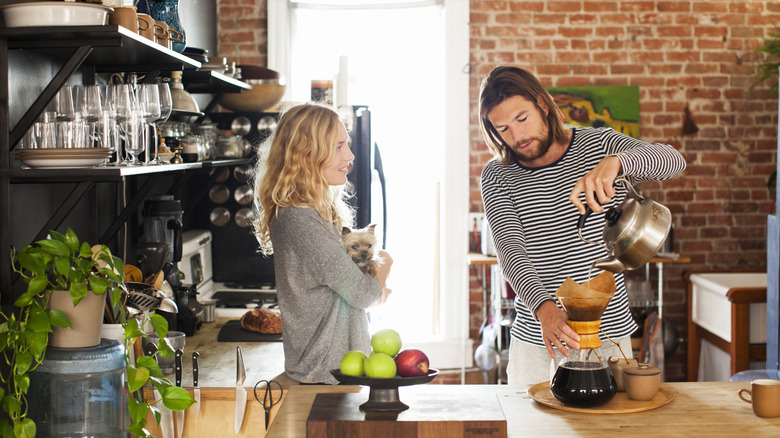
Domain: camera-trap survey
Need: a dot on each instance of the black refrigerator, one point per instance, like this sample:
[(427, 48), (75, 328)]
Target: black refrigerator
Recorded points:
[(235, 256)]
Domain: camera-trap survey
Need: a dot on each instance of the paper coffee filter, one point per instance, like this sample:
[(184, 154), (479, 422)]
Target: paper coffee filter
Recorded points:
[(583, 303), (601, 286)]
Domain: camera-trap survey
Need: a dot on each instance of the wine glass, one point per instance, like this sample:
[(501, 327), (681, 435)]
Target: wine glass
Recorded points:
[(149, 105), (64, 116), (89, 109), (166, 106), (129, 118)]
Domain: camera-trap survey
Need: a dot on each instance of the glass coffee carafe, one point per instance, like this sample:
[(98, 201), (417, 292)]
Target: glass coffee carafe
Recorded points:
[(584, 379)]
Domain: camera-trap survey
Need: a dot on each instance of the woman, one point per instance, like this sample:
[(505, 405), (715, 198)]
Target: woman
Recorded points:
[(301, 209)]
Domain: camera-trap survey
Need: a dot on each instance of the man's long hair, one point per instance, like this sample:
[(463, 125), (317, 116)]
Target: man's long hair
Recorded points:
[(502, 83)]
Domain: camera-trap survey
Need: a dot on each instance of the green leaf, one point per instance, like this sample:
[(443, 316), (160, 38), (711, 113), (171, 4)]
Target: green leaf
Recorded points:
[(23, 361), (25, 429), (86, 251), (176, 398), (150, 363), (6, 429), (159, 324), (133, 330), (78, 291), (164, 347), (22, 382), (137, 376), (11, 404), (37, 341), (62, 266), (58, 318), (98, 284), (38, 320), (54, 247), (35, 286)]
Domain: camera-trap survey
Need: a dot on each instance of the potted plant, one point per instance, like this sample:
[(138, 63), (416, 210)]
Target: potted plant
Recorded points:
[(61, 262)]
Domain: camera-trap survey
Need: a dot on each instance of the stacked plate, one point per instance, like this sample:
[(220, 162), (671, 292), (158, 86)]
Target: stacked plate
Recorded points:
[(62, 158)]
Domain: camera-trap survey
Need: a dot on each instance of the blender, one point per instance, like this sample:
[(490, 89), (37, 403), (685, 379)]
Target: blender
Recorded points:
[(584, 379), (162, 224)]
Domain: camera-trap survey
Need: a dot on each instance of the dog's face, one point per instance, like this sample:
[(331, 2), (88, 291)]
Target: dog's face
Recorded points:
[(360, 244)]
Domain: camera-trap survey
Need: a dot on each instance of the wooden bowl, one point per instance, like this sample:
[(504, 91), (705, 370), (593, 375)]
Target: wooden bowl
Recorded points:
[(262, 96)]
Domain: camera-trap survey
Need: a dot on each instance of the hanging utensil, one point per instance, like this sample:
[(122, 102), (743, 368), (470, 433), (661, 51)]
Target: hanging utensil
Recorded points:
[(634, 231)]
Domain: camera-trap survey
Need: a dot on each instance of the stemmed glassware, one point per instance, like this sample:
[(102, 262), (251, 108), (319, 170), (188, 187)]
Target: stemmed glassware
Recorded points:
[(166, 106), (149, 107), (89, 109), (130, 120)]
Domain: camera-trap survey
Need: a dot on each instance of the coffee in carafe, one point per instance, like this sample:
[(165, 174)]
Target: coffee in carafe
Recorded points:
[(584, 379)]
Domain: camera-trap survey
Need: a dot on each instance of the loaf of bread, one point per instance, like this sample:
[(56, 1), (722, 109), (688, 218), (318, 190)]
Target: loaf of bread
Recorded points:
[(262, 321)]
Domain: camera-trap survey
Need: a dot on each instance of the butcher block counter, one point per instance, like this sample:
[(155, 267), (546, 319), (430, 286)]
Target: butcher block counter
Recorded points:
[(698, 409)]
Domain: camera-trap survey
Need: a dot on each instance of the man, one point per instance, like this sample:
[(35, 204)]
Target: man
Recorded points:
[(539, 169)]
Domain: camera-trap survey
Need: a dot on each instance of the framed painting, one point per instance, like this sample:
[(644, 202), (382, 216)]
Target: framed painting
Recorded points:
[(615, 107)]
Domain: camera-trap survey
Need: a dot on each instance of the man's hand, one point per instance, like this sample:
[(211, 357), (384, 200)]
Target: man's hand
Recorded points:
[(597, 185), (555, 331)]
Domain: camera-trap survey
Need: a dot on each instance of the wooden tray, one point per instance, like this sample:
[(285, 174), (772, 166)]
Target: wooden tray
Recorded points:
[(620, 404)]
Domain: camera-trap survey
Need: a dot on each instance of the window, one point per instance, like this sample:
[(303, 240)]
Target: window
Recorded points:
[(405, 64)]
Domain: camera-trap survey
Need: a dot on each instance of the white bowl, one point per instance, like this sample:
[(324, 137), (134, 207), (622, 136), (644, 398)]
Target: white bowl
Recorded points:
[(59, 13)]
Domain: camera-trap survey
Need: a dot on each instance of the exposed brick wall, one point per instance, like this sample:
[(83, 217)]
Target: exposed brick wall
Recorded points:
[(242, 31), (696, 53)]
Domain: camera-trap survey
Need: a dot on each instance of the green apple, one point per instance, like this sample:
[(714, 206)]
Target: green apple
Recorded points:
[(386, 341), (352, 363), (380, 365)]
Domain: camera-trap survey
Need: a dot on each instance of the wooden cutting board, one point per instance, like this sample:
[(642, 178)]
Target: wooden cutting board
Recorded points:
[(428, 416)]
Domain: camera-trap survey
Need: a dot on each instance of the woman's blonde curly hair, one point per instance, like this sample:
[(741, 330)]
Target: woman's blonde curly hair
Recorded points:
[(291, 176)]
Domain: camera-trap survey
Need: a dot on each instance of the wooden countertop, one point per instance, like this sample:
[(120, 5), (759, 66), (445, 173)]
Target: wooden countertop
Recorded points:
[(217, 361), (699, 408)]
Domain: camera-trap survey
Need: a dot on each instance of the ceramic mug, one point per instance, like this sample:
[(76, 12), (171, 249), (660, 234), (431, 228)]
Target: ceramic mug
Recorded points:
[(175, 35), (162, 34), (125, 17), (764, 396), (146, 26)]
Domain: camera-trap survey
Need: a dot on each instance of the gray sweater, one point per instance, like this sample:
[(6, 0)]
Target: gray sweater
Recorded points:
[(323, 296)]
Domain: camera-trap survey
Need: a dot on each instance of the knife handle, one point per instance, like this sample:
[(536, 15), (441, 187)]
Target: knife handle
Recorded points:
[(195, 368), (177, 364)]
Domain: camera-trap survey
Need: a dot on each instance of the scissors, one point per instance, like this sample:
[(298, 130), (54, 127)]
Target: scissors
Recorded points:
[(268, 401)]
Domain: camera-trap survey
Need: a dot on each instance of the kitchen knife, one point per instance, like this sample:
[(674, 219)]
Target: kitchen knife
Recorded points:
[(195, 387), (240, 391), (166, 419), (177, 373)]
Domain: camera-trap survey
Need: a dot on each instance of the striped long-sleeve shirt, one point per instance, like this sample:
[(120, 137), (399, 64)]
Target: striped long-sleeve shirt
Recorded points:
[(534, 226)]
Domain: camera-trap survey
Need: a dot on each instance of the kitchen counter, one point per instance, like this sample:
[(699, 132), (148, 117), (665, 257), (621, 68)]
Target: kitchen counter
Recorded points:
[(699, 408), (217, 361)]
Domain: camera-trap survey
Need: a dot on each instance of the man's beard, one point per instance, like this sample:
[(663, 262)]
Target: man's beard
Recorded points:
[(533, 154)]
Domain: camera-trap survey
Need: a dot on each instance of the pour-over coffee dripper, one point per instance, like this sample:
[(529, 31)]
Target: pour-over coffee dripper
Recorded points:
[(584, 379)]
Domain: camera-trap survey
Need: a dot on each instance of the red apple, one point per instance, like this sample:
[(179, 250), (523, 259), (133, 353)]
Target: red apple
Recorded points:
[(411, 363)]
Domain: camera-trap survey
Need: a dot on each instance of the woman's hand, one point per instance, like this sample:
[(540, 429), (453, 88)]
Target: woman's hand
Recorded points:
[(384, 270), (598, 185), (555, 331)]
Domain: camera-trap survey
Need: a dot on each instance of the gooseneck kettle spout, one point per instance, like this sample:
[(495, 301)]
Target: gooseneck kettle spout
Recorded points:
[(633, 233)]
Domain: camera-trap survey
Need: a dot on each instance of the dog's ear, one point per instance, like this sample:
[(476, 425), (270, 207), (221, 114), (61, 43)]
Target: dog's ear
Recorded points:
[(345, 231), (371, 228)]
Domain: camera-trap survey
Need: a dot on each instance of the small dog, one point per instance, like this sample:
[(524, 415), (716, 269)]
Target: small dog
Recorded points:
[(361, 246)]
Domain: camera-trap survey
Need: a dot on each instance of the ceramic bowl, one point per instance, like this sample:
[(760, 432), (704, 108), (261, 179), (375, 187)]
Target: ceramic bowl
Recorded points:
[(58, 13), (264, 95), (642, 382)]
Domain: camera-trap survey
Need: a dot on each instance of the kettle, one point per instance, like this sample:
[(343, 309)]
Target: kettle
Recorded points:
[(634, 231)]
